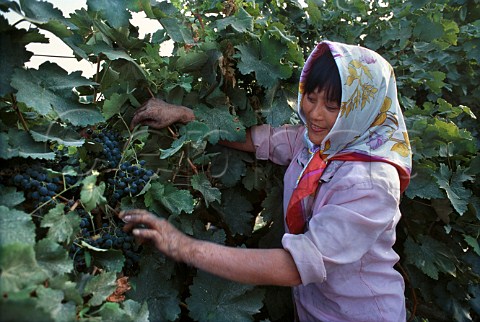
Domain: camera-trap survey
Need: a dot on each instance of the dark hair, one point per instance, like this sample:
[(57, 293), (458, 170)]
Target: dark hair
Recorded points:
[(324, 75)]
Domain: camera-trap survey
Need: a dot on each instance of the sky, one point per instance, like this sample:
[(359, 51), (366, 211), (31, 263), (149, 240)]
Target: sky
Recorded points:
[(56, 47)]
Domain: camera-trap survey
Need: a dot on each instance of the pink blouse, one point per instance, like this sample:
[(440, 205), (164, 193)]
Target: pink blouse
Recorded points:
[(345, 258)]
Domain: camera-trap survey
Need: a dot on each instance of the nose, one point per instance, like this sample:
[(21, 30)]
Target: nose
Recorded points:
[(318, 111)]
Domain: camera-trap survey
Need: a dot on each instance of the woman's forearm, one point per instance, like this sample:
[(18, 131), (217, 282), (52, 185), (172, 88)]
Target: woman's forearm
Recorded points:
[(246, 146), (250, 266)]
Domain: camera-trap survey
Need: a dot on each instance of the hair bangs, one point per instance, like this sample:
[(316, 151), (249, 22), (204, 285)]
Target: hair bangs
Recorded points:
[(324, 76)]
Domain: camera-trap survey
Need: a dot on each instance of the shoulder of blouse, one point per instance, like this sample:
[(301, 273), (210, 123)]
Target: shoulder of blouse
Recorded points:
[(365, 175)]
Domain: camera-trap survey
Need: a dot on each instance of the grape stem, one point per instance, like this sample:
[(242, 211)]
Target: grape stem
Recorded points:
[(127, 145)]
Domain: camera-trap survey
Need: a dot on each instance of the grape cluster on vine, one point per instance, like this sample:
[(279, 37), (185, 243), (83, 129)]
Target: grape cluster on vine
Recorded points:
[(111, 144), (130, 179), (63, 158), (105, 237), (39, 186)]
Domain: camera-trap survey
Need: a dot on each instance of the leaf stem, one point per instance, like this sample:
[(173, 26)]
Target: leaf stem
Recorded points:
[(194, 168), (19, 114), (129, 142), (150, 91), (178, 166)]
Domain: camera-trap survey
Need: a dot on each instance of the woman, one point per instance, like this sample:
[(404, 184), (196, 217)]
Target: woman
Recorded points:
[(347, 166)]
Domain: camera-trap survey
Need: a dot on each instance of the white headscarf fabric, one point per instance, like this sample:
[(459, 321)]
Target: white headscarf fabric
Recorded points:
[(370, 122)]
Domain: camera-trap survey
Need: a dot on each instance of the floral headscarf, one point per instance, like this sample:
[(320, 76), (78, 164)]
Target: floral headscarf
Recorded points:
[(369, 126)]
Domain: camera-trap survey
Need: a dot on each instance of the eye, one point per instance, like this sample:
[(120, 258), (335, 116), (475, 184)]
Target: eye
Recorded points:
[(333, 108), (311, 99)]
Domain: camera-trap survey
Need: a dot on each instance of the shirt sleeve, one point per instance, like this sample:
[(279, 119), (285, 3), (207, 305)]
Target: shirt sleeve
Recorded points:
[(277, 144), (356, 209)]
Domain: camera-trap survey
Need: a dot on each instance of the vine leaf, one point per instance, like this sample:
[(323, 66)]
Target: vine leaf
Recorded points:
[(112, 54), (201, 183), (277, 111), (163, 299), (15, 41), (10, 197), (131, 312), (112, 260), (52, 258), (222, 124), (240, 22), (255, 178), (44, 14), (113, 105), (453, 185), (20, 144), (235, 210), (264, 59), (62, 228), (472, 242), (141, 5), (423, 185), (177, 32), (52, 301), (50, 89), (70, 288), (174, 148), (436, 81), (190, 61), (22, 307), (114, 11), (18, 268), (216, 299), (100, 287), (16, 227), (229, 166), (91, 194), (430, 256), (272, 207), (56, 132), (192, 132), (173, 199), (428, 30)]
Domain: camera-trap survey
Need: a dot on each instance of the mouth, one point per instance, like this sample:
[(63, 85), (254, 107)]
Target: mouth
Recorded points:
[(316, 128)]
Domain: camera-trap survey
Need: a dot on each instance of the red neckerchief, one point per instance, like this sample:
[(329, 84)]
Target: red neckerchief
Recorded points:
[(310, 179)]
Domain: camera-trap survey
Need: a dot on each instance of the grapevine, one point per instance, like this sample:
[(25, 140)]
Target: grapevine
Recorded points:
[(71, 163)]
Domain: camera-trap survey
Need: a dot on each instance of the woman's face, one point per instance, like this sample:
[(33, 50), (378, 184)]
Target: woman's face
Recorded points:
[(320, 115)]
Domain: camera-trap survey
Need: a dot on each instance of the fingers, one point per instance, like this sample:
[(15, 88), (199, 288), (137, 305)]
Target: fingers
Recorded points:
[(139, 217), (139, 117), (144, 112), (160, 114), (187, 115), (146, 234)]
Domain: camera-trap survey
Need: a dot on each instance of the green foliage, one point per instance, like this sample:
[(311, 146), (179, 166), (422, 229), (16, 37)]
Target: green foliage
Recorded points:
[(236, 64), (215, 299)]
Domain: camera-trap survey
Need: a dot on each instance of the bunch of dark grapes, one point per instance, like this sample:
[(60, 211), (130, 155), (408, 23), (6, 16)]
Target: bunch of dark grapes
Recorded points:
[(64, 158), (105, 237), (37, 185), (111, 143), (130, 179)]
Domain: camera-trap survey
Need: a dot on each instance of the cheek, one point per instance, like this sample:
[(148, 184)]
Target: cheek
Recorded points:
[(333, 119)]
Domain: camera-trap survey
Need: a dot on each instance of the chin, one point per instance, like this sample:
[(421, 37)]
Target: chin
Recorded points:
[(316, 140)]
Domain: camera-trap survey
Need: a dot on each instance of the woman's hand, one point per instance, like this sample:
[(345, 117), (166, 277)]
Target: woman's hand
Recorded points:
[(159, 114), (164, 236), (250, 266)]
